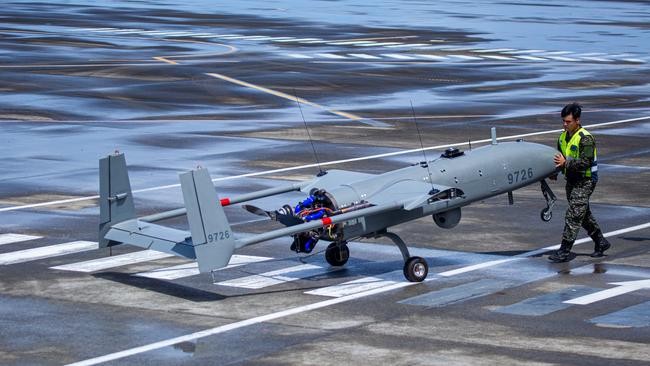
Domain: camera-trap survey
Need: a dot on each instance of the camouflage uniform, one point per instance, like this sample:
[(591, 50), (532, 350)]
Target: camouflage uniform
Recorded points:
[(579, 188)]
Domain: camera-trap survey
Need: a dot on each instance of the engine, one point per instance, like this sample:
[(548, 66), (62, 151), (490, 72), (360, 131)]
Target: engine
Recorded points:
[(447, 219)]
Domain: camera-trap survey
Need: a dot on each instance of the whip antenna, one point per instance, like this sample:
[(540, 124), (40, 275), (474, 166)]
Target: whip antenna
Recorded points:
[(321, 172), (426, 162)]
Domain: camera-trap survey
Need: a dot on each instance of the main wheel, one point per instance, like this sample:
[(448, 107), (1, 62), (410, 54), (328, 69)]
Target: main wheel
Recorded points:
[(337, 254), (416, 269), (546, 215)]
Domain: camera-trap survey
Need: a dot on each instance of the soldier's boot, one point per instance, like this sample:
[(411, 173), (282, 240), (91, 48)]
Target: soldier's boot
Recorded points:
[(563, 254), (600, 244)]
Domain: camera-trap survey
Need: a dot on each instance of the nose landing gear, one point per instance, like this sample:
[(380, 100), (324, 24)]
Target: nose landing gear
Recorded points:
[(547, 213)]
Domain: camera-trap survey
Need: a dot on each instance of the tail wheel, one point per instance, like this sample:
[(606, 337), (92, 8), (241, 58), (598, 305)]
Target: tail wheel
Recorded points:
[(416, 269), (337, 254)]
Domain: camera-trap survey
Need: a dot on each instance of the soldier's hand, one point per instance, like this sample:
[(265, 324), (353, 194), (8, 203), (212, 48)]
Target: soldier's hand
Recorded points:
[(559, 160), (553, 177)]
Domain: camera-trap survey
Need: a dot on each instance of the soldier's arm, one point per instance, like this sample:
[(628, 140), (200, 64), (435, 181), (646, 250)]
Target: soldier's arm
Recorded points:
[(585, 155)]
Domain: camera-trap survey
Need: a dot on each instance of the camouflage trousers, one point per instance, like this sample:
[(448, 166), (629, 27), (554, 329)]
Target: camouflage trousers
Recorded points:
[(578, 214)]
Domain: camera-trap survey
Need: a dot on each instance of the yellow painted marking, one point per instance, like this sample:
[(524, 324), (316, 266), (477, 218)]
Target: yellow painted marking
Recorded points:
[(286, 96), (166, 60)]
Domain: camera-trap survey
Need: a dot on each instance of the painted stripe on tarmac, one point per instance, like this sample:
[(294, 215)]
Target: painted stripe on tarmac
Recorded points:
[(113, 261), (256, 282), (360, 285), (599, 59), (495, 50), (637, 316), (494, 57), (16, 238), (348, 43), (561, 58), (532, 58), (273, 316), (28, 255), (378, 44), (331, 55), (408, 45), (192, 269), (517, 52), (364, 56), (398, 56), (465, 57), (298, 55), (634, 60), (433, 57), (547, 303)]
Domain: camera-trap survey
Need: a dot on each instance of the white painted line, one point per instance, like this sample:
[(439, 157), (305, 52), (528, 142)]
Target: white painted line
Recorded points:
[(332, 162), (518, 52), (432, 57), (168, 34), (398, 56), (557, 53), (497, 57), (623, 288), (532, 58), (16, 238), (560, 58), (495, 50), (379, 44), (116, 30), (347, 43), (465, 57), (46, 252), (256, 282), (302, 39), (360, 285), (90, 29), (192, 268), (126, 31), (330, 55), (298, 55), (314, 42), (408, 45), (208, 35), (448, 48), (283, 39), (599, 59), (273, 316), (364, 56), (232, 36), (113, 261)]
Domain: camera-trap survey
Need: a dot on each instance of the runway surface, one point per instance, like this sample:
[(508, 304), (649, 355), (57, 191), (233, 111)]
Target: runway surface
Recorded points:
[(231, 88)]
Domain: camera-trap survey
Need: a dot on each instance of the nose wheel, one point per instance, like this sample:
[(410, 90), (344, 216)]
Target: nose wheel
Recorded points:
[(547, 213)]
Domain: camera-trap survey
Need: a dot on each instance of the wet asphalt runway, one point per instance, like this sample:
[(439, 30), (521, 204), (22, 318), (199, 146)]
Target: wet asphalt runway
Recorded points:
[(176, 86)]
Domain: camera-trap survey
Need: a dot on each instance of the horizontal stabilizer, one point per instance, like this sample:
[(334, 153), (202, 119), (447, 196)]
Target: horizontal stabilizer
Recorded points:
[(152, 236)]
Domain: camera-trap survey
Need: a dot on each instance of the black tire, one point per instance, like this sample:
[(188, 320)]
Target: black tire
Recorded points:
[(337, 254), (416, 269), (546, 215)]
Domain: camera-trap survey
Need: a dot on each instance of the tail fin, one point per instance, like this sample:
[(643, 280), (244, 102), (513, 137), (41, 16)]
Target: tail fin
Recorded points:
[(115, 197), (212, 237)]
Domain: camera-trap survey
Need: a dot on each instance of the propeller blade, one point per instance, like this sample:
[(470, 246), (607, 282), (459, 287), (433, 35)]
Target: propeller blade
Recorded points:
[(256, 210)]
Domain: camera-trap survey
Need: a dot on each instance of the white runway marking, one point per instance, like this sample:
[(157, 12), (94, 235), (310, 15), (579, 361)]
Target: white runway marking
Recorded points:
[(360, 285), (599, 59), (561, 58), (283, 39), (517, 52), (495, 50), (532, 58), (635, 60), (333, 162), (330, 55), (298, 55), (408, 45), (16, 238), (256, 282), (465, 57), (27, 255), (378, 44), (116, 30), (302, 39), (348, 43), (113, 261), (497, 57), (364, 56), (397, 56), (433, 57), (192, 269), (285, 313), (90, 29)]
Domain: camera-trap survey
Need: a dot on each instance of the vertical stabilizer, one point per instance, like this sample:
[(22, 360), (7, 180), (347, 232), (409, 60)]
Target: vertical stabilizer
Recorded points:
[(212, 237), (115, 197)]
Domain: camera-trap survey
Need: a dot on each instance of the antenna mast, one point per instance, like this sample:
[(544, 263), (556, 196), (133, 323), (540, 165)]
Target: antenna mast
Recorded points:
[(426, 162), (320, 170)]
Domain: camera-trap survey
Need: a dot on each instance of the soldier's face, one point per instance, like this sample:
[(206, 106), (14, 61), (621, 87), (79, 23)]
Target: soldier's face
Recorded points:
[(570, 124)]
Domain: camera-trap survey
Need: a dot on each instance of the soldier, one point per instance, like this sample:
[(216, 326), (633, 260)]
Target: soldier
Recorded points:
[(578, 161)]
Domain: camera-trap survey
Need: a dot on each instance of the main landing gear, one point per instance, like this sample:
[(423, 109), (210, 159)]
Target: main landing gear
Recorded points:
[(547, 213)]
